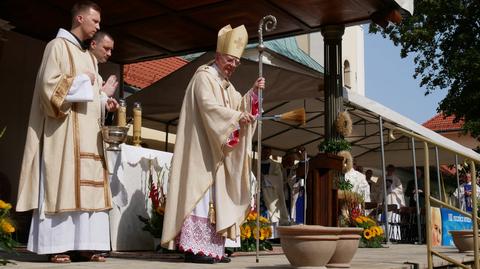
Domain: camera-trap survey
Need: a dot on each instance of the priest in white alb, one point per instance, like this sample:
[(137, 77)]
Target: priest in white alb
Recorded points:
[(63, 177), (209, 186)]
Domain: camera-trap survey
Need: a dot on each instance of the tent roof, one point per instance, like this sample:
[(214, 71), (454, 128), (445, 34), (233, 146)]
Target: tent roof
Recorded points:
[(150, 29), (291, 85)]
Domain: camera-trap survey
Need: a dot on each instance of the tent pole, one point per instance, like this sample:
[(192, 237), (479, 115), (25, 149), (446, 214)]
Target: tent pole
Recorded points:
[(438, 175), (385, 206), (458, 177), (417, 196), (166, 137), (428, 210)]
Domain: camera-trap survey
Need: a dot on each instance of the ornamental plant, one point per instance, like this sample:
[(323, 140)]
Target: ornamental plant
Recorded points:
[(157, 198), (248, 233), (6, 230), (373, 235)]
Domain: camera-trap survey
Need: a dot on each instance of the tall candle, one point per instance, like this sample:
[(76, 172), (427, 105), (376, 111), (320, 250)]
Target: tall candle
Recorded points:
[(122, 113), (137, 124)]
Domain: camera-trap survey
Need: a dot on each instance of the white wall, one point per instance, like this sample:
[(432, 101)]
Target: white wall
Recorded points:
[(352, 50)]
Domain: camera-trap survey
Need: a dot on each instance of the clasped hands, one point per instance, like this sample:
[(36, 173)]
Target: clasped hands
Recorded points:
[(109, 87)]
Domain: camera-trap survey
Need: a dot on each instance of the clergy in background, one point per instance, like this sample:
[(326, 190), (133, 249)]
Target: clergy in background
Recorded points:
[(63, 177), (209, 187)]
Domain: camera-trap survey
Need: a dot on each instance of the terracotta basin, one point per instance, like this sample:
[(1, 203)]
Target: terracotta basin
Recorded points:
[(308, 245), (347, 245), (463, 240)]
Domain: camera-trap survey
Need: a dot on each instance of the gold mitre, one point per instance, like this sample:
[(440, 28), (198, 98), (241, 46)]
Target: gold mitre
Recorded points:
[(232, 41)]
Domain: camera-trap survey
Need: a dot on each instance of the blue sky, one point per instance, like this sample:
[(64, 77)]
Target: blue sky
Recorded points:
[(389, 80)]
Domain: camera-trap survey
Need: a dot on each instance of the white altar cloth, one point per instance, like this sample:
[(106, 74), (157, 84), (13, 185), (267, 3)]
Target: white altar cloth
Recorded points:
[(129, 170)]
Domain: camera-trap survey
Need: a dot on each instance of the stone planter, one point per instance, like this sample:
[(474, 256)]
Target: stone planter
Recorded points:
[(463, 240), (308, 245), (347, 245)]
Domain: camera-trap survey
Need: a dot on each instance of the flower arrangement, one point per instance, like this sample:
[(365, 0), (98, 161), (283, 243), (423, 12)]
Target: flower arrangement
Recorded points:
[(248, 233), (6, 229), (373, 235), (154, 224)]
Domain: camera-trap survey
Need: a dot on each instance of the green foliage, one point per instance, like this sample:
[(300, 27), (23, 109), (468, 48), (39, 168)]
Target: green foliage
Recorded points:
[(344, 185), (334, 145), (444, 38)]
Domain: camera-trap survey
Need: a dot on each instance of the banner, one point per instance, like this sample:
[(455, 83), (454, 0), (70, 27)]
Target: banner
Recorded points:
[(452, 221)]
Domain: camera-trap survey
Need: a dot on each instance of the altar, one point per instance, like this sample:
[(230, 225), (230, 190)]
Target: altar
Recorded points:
[(129, 170)]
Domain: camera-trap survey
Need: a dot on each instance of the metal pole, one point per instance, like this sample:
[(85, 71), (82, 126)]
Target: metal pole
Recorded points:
[(458, 178), (438, 175), (305, 187), (166, 138), (268, 22), (385, 206), (474, 213), (428, 212), (417, 196)]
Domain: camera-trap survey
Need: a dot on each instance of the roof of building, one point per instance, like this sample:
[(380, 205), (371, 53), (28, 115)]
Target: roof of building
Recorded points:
[(440, 123), (144, 74)]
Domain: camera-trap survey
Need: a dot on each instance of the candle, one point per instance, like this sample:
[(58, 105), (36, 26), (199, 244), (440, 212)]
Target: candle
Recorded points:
[(137, 124), (122, 113)]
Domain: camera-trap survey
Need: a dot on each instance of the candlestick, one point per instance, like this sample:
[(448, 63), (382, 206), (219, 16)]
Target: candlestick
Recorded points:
[(122, 113), (137, 124)]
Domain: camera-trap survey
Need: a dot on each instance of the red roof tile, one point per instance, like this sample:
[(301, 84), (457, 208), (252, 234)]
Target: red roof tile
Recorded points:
[(144, 74), (440, 123)]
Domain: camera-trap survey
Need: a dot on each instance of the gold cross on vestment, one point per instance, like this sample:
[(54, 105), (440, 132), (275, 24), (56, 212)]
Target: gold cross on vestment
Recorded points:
[(238, 43)]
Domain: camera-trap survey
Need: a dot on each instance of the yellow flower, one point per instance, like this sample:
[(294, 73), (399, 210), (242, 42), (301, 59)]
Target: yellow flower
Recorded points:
[(4, 205), (359, 220), (378, 229), (252, 215), (245, 232), (263, 220), (367, 233), (6, 226)]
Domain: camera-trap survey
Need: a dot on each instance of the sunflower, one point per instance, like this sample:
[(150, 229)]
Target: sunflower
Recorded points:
[(245, 232), (378, 229), (367, 233), (4, 205), (6, 226), (252, 216), (263, 220)]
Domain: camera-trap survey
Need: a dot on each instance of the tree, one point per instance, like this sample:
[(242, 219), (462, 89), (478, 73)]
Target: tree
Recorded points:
[(444, 37)]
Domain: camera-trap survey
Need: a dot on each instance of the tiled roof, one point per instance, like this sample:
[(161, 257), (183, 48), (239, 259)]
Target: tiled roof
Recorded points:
[(144, 74), (440, 123)]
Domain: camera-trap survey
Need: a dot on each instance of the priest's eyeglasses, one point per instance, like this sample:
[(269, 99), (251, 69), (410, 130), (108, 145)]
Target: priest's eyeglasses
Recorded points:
[(231, 60)]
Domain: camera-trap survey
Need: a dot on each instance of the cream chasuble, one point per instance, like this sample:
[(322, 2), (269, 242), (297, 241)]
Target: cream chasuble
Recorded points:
[(63, 177), (210, 113), (67, 136)]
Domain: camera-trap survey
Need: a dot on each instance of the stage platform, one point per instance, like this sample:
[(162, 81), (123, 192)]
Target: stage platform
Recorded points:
[(392, 256)]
